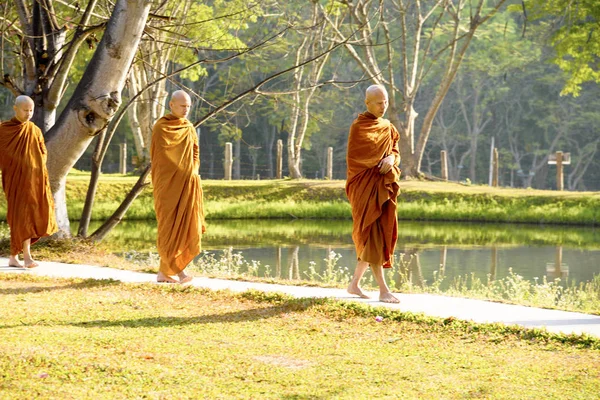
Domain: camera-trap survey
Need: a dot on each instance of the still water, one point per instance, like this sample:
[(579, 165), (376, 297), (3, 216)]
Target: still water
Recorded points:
[(303, 249)]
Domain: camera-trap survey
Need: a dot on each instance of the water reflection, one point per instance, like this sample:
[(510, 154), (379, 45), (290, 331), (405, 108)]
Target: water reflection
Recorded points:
[(303, 249)]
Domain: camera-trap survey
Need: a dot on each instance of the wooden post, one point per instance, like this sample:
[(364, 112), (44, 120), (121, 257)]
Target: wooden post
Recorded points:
[(495, 170), (444, 158), (123, 158), (559, 171), (492, 147), (279, 172), (228, 164), (330, 163)]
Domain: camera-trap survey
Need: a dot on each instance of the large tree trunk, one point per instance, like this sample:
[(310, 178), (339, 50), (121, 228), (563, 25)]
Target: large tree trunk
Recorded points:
[(46, 56), (96, 98)]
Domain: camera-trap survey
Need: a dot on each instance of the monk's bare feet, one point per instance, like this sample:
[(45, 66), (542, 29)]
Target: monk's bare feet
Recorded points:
[(13, 261), (184, 279), (31, 264), (356, 290), (162, 278), (388, 297)]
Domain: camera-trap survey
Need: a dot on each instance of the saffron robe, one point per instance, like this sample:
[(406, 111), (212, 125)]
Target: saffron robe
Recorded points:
[(30, 213), (175, 158), (373, 195)]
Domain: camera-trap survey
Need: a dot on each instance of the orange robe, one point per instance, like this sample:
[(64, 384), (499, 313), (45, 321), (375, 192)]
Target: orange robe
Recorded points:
[(30, 213), (175, 157), (371, 194)]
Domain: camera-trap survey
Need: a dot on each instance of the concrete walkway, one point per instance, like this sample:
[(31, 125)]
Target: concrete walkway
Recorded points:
[(431, 305)]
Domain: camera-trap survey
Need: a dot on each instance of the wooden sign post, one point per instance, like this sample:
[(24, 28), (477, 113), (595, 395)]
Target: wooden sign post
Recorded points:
[(560, 159)]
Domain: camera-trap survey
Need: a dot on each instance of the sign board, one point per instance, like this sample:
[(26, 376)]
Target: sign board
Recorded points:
[(566, 158)]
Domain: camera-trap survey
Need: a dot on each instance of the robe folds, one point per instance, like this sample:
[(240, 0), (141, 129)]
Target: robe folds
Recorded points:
[(372, 195), (175, 158), (30, 213)]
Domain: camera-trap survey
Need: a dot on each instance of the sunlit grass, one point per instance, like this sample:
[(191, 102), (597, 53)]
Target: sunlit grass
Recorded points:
[(104, 339), (327, 199)]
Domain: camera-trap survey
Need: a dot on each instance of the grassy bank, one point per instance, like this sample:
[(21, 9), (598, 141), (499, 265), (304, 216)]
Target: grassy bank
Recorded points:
[(434, 201), (143, 341)]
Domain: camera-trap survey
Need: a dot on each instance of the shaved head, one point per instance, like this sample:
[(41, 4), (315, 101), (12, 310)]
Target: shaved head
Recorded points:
[(23, 107), (374, 90), (376, 99), (180, 95), (180, 104), (21, 100)]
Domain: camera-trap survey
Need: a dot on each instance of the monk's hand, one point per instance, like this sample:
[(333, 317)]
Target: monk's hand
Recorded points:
[(386, 164)]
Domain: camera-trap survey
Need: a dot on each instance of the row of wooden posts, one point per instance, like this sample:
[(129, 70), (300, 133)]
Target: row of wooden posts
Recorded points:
[(228, 164), (559, 158)]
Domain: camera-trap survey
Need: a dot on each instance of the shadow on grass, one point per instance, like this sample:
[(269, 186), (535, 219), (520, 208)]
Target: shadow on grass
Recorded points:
[(85, 284), (254, 314)]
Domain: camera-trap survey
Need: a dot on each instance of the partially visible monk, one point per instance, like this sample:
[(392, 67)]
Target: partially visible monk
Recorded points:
[(372, 188), (30, 213), (175, 157)]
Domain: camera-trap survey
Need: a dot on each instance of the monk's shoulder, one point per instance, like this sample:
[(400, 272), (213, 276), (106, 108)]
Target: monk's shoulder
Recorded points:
[(34, 128)]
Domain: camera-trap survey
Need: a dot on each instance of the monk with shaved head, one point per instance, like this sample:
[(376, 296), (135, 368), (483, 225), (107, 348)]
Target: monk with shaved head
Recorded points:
[(30, 213), (175, 157), (372, 188)]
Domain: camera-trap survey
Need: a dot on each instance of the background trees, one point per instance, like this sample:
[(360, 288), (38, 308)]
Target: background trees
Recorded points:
[(460, 74)]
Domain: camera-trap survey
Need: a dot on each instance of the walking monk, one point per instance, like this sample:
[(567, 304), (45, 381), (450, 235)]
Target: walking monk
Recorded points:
[(175, 157), (372, 187), (30, 213)]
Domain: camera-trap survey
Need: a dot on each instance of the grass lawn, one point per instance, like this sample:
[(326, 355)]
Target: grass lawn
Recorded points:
[(79, 339), (322, 199)]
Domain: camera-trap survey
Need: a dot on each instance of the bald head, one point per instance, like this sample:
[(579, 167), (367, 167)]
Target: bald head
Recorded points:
[(374, 90), (23, 108), (180, 104), (376, 99)]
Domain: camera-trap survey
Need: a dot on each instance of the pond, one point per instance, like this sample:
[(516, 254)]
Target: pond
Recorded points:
[(426, 251)]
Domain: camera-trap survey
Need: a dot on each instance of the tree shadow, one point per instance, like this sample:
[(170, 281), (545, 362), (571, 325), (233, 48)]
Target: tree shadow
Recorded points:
[(85, 284), (254, 314)]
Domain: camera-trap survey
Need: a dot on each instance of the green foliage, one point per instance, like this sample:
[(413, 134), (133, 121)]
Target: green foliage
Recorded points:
[(576, 40)]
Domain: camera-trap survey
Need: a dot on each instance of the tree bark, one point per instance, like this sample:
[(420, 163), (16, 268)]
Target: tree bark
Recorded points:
[(96, 98)]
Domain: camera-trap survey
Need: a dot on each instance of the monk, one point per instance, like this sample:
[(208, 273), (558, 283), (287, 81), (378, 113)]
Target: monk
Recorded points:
[(30, 213), (372, 188), (175, 157)]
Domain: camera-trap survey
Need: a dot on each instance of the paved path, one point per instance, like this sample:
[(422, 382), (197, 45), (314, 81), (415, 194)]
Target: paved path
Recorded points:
[(432, 305)]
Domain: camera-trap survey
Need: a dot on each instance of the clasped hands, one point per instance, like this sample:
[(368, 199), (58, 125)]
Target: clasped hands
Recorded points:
[(386, 164)]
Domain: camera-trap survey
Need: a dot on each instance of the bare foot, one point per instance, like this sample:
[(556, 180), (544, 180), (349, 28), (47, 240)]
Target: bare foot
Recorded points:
[(32, 264), (354, 289), (184, 278), (388, 297), (13, 261), (162, 278)]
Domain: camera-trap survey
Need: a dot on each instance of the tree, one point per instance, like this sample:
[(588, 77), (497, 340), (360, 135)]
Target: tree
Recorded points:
[(574, 36), (46, 58), (425, 34)]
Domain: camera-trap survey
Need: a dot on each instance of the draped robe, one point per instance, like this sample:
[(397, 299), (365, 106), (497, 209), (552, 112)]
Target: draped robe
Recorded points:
[(174, 153), (30, 213), (373, 195)]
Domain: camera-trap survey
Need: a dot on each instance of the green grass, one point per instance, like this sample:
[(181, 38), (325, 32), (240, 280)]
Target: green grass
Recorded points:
[(104, 339), (438, 201)]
